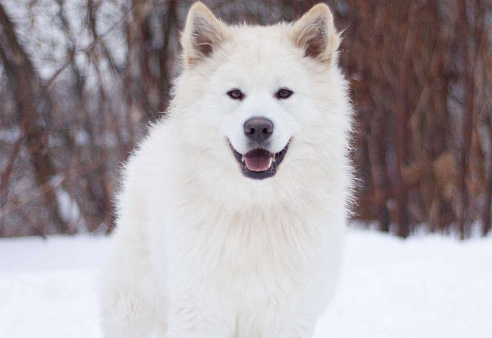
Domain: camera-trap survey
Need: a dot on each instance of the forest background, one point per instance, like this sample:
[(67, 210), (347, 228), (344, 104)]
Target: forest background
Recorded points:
[(81, 79)]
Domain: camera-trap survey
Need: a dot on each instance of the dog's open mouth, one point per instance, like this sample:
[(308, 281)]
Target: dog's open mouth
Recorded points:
[(259, 163)]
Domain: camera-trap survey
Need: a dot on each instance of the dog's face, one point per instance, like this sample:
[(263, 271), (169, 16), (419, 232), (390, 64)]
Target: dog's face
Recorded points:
[(260, 92)]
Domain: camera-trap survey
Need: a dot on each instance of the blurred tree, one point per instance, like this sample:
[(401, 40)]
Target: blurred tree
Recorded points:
[(80, 79)]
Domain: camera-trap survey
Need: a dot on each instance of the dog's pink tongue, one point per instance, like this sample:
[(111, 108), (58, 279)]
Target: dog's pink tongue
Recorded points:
[(258, 160)]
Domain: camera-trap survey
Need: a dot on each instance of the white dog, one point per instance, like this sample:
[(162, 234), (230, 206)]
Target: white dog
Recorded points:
[(233, 208)]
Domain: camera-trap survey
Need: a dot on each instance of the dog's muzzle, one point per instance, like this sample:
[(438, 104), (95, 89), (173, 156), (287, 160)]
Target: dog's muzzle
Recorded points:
[(259, 163)]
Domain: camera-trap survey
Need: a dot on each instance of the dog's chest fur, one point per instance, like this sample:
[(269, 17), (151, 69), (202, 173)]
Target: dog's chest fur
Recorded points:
[(255, 262)]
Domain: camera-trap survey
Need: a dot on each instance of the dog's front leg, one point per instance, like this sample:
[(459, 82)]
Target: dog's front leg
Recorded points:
[(191, 317), (191, 324)]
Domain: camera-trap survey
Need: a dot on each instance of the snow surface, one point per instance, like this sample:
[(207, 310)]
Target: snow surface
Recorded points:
[(427, 286)]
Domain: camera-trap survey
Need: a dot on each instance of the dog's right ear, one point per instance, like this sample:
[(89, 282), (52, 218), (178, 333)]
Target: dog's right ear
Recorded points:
[(203, 33), (316, 34)]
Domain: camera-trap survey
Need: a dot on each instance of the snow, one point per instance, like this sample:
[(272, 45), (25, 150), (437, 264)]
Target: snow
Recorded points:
[(69, 209), (47, 288), (426, 286)]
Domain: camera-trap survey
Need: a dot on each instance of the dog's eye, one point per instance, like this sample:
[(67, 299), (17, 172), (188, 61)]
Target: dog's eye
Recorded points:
[(235, 94), (283, 93)]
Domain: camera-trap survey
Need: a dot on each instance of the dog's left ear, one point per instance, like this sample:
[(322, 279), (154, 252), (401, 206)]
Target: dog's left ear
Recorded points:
[(203, 33), (315, 33)]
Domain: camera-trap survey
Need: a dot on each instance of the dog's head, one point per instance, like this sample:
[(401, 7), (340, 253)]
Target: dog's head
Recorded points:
[(263, 99)]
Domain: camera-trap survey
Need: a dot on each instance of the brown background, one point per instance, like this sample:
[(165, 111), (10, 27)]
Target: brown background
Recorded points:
[(80, 80)]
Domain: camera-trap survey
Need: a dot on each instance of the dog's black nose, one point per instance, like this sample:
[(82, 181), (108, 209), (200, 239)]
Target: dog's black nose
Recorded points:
[(258, 129)]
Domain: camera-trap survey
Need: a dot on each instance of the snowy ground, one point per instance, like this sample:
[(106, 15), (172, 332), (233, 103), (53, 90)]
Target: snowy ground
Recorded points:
[(424, 287)]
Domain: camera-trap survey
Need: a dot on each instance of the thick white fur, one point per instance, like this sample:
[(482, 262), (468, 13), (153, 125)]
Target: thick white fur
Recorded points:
[(201, 251)]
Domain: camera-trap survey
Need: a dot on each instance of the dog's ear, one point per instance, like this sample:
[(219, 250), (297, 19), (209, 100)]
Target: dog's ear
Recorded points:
[(315, 33), (202, 34)]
